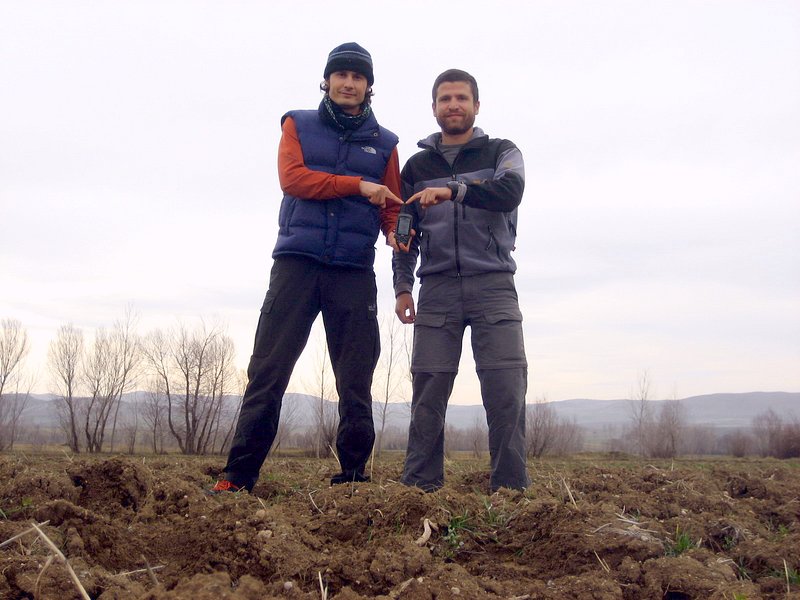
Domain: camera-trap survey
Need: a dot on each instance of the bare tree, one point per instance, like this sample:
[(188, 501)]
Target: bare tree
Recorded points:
[(98, 373), (478, 435), (325, 413), (130, 429), (775, 436), (767, 427), (229, 417), (194, 370), (290, 412), (669, 429), (641, 413), (737, 443), (407, 346), (453, 440), (390, 376), (108, 371), (790, 440), (128, 347), (222, 378), (702, 439), (568, 438), (64, 361), (540, 427), (153, 414), (13, 406), (14, 347)]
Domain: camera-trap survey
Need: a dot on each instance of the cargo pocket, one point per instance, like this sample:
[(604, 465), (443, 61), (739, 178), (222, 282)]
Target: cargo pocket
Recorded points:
[(261, 344), (499, 342), (433, 351), (494, 315), (269, 300), (430, 319)]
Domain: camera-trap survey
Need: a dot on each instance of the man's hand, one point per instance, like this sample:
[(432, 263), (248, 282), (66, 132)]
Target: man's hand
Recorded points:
[(377, 194), (404, 308), (392, 241), (431, 196)]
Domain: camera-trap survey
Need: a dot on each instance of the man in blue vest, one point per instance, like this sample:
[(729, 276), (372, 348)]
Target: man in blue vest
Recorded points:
[(464, 189), (339, 172)]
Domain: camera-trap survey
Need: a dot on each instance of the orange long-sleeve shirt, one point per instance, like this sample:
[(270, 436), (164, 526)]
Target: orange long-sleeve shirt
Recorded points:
[(301, 182)]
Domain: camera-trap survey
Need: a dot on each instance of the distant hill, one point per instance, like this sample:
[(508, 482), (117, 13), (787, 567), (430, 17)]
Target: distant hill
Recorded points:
[(718, 410)]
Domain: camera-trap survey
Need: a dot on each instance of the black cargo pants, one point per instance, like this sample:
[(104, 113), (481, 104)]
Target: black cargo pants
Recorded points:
[(299, 289)]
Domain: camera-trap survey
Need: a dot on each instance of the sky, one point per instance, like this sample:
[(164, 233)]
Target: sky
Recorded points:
[(659, 231)]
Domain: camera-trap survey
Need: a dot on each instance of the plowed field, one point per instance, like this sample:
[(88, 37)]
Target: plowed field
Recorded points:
[(589, 528)]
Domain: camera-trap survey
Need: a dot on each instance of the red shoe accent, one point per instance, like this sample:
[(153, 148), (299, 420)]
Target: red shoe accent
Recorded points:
[(223, 485)]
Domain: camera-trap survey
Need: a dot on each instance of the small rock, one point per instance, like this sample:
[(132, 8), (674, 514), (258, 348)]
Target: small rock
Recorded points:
[(240, 538)]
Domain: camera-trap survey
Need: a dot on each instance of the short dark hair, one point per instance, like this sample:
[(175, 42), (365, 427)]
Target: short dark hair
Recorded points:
[(455, 75)]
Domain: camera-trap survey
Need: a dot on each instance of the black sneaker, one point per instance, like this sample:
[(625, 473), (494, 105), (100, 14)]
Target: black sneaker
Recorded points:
[(349, 478)]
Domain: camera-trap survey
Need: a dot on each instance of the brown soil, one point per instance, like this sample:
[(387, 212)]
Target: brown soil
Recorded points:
[(589, 528)]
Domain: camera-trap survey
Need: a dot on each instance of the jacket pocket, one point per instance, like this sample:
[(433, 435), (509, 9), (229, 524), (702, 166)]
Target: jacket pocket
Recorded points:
[(493, 241), (425, 239), (285, 213)]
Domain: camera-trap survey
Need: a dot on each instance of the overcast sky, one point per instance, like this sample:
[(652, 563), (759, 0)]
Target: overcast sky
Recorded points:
[(659, 231)]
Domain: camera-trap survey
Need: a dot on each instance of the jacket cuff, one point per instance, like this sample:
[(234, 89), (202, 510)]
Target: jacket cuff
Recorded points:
[(458, 189), (401, 289)]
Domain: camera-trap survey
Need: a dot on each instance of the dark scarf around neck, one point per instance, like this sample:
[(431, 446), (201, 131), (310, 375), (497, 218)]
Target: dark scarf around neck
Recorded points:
[(333, 114)]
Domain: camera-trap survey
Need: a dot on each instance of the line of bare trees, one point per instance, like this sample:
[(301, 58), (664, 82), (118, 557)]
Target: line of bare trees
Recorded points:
[(657, 429), (193, 393), (394, 376), (770, 435), (548, 434), (192, 386), (15, 387), (193, 377)]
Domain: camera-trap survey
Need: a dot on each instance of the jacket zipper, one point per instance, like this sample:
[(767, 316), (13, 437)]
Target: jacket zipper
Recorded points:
[(453, 177), (455, 236)]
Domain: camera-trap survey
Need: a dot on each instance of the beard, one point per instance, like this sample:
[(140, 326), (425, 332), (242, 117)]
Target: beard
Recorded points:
[(456, 128)]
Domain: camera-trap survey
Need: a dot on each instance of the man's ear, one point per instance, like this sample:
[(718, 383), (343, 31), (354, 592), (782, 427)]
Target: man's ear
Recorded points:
[(433, 108), (477, 107)]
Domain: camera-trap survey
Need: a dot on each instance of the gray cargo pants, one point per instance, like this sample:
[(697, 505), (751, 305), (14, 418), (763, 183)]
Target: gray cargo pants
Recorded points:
[(488, 304)]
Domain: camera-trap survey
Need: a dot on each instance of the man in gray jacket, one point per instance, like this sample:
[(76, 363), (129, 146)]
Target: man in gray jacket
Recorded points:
[(463, 190)]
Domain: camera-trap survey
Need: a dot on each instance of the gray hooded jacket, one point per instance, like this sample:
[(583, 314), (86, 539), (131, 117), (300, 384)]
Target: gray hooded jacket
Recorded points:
[(475, 233)]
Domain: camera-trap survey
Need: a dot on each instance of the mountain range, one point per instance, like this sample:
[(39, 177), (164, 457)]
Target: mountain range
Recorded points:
[(726, 410)]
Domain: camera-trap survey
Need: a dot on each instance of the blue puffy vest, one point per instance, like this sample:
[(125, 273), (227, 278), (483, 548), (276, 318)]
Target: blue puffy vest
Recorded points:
[(339, 231)]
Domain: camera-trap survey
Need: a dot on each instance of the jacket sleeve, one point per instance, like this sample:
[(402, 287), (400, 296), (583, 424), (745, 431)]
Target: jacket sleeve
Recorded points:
[(300, 181), (391, 179), (404, 263), (502, 193)]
